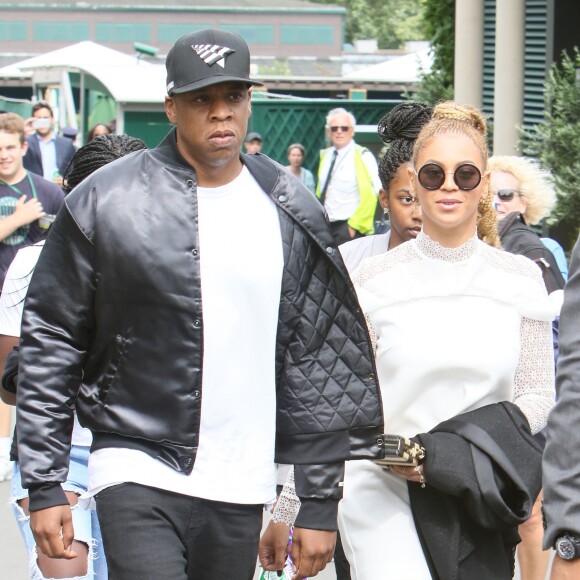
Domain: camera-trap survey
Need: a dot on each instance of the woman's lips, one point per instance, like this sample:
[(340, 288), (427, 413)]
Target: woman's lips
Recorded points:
[(448, 204)]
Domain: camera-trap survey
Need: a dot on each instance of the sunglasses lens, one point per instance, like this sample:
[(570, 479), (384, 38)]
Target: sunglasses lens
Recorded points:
[(505, 194), (431, 176), (467, 177), (344, 129)]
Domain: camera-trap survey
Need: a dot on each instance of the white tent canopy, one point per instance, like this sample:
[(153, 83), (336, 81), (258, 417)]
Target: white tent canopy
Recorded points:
[(403, 69), (127, 79), (77, 56)]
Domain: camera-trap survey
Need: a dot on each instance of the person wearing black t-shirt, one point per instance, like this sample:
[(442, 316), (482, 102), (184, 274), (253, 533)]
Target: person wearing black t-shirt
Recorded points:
[(27, 201)]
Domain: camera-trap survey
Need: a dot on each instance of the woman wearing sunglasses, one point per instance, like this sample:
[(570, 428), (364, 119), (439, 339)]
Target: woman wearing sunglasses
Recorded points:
[(464, 356), (523, 196), (464, 359)]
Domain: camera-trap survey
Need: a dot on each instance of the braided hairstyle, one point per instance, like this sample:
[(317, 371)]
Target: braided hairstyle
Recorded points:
[(451, 117), (96, 153), (398, 129)]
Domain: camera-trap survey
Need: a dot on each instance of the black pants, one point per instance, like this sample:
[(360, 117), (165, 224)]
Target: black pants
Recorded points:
[(151, 534), (341, 565)]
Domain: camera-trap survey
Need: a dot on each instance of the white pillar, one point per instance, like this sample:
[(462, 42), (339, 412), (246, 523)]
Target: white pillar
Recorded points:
[(508, 104), (468, 77)]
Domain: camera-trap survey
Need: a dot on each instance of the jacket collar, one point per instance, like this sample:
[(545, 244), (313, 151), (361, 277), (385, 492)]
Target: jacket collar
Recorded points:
[(287, 192), (508, 221)]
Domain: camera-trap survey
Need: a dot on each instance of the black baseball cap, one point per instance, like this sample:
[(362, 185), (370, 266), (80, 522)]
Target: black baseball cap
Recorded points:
[(207, 57), (253, 137)]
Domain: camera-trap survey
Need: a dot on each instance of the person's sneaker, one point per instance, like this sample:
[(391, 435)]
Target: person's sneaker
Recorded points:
[(5, 468)]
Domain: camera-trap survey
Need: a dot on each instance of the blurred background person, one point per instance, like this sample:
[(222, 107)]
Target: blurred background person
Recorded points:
[(25, 197), (296, 154), (348, 180), (98, 129), (561, 462), (253, 143), (523, 196), (48, 153)]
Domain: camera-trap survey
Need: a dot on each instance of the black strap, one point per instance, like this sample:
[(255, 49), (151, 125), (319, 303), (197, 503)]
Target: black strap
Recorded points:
[(328, 177)]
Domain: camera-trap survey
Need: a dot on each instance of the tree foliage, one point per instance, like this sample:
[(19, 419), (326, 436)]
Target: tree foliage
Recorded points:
[(391, 22), (556, 143), (438, 25)]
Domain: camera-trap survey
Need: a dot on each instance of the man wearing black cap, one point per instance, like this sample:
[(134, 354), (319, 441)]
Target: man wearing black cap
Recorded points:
[(197, 358), (253, 143)]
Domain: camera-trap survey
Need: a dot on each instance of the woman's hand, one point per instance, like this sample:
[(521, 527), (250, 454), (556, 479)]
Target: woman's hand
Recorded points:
[(410, 472), (274, 546)]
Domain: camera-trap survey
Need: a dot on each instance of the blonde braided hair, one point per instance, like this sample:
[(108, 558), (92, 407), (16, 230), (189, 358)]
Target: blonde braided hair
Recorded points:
[(451, 117)]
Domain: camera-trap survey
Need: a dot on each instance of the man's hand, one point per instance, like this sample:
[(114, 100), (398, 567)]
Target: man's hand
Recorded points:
[(311, 551), (274, 546), (29, 126), (53, 531), (27, 212), (565, 570), (352, 232)]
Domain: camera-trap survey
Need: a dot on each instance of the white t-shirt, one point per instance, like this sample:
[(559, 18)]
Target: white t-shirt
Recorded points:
[(342, 195), (12, 304), (241, 261)]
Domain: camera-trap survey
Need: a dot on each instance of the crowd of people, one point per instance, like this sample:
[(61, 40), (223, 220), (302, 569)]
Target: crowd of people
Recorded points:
[(184, 327)]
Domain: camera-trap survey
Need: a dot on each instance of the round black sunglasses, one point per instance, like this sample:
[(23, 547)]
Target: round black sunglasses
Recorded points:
[(432, 176)]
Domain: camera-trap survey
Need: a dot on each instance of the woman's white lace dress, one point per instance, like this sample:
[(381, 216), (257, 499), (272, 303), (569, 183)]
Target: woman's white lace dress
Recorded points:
[(455, 329)]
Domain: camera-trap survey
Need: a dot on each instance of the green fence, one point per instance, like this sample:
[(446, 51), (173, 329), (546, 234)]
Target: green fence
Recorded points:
[(281, 123)]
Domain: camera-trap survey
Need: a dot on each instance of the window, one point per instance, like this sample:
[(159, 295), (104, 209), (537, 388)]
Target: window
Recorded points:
[(122, 32), (13, 31), (252, 34), (291, 34), (61, 31), (171, 32)]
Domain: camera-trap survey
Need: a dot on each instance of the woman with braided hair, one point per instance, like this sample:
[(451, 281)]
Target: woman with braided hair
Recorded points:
[(463, 346), (101, 150), (398, 129), (88, 562)]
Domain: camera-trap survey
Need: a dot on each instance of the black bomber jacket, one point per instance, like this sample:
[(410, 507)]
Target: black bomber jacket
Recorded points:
[(113, 325)]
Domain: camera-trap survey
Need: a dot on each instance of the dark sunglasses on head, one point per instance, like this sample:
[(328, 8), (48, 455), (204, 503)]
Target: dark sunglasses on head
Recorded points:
[(432, 176), (506, 194), (335, 128)]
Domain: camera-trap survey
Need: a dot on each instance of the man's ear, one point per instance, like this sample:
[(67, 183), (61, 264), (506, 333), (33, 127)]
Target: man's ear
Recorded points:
[(24, 147), (170, 109)]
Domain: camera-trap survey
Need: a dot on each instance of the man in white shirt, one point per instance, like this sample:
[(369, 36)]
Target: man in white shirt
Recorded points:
[(348, 180), (205, 329)]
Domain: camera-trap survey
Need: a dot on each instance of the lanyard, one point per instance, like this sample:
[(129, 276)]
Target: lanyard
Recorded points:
[(15, 189)]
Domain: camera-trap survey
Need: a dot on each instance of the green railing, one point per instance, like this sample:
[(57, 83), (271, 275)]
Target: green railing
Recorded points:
[(283, 122)]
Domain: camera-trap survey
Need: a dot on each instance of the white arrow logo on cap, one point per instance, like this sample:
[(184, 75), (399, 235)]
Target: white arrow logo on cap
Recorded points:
[(212, 53)]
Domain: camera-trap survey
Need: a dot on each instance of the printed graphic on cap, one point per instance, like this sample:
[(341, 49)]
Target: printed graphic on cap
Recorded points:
[(212, 53)]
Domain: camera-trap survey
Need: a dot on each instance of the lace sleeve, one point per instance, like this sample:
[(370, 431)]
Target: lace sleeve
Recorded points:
[(372, 333), (288, 503), (534, 385)]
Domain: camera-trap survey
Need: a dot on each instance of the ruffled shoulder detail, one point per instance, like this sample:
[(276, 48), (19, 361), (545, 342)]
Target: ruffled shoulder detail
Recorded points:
[(406, 274)]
